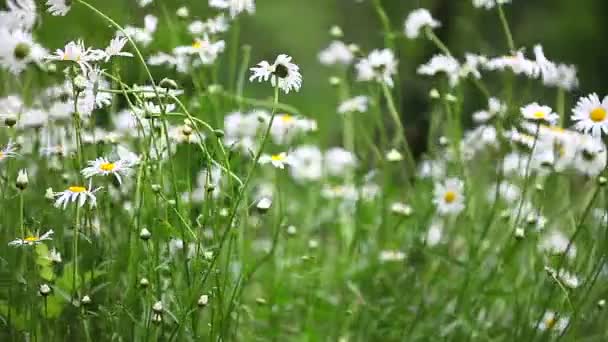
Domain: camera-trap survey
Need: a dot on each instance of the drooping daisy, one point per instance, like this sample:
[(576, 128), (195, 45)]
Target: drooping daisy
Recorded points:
[(78, 194), (283, 71), (379, 66), (489, 4), (555, 75), (442, 64), (538, 113), (234, 6), (355, 104), (8, 151), (277, 160), (518, 63), (103, 167), (591, 115), (449, 196), (590, 157), (115, 48), (32, 239), (59, 7), (417, 20)]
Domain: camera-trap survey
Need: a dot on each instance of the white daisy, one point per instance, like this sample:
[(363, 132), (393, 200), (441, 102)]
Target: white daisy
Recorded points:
[(78, 53), (283, 71), (306, 163), (75, 194), (59, 7), (336, 53), (277, 160), (489, 4), (442, 63), (103, 167), (379, 66), (8, 151), (355, 104), (207, 50), (18, 50), (234, 6), (591, 115), (115, 48), (32, 240), (339, 161), (536, 112), (417, 20), (590, 157), (551, 322), (517, 62), (449, 196)]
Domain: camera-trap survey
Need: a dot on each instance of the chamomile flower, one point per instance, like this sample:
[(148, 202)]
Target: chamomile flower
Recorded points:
[(417, 20), (277, 160), (538, 113), (306, 163), (356, 104), (8, 151), (77, 194), (442, 64), (552, 322), (449, 196), (590, 158), (282, 72), (32, 239), (79, 54), (489, 4), (103, 167), (59, 7), (378, 66), (115, 48), (336, 53), (591, 115), (18, 50), (235, 7)]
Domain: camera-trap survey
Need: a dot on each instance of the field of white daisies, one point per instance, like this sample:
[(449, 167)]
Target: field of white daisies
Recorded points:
[(148, 194)]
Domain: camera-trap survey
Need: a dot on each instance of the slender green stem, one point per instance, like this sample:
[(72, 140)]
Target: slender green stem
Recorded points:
[(505, 27)]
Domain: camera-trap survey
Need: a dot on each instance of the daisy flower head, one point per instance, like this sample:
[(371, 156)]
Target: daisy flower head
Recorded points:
[(282, 73), (103, 167), (32, 240), (417, 20), (442, 63), (79, 54), (552, 322), (235, 7), (379, 66), (538, 113), (77, 194), (8, 151), (18, 50), (356, 104), (277, 160), (591, 115), (115, 48), (449, 196), (590, 158), (59, 7), (489, 4), (336, 53)]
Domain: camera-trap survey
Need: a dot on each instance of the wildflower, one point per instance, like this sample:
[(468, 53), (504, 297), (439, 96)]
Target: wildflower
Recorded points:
[(591, 115), (557, 75), (8, 151), (417, 20), (44, 290), (379, 66), (79, 54), (306, 163), (32, 239), (590, 157), (203, 300), (286, 127), (78, 194), (22, 179), (495, 107), (54, 256), (538, 113), (282, 73), (234, 6), (103, 167), (59, 7), (336, 53), (339, 161), (18, 50), (277, 160), (555, 242), (489, 4), (449, 196), (401, 209), (207, 50), (394, 156), (390, 256), (143, 35), (145, 234), (442, 63), (355, 104), (434, 234), (183, 12), (551, 322), (264, 204), (115, 48), (158, 307)]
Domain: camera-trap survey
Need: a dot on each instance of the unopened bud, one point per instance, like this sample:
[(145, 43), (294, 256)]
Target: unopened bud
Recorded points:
[(49, 194), (182, 12), (264, 204), (203, 300), (155, 188), (44, 290), (218, 133), (22, 180), (601, 303), (336, 32), (168, 83), (86, 300), (434, 94), (145, 234), (602, 181), (158, 307), (144, 283), (334, 81), (354, 48), (10, 120), (214, 89), (292, 230), (520, 233)]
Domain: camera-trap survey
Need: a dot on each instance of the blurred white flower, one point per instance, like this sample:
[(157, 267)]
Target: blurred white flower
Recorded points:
[(378, 66), (59, 7), (336, 53), (234, 6), (32, 239), (356, 104), (417, 20)]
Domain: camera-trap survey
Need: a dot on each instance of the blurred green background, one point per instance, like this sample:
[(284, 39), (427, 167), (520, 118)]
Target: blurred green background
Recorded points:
[(572, 32)]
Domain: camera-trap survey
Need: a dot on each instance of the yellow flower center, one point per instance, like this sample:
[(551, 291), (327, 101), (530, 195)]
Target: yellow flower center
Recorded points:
[(540, 115), (77, 189), (598, 114), (30, 239), (287, 118), (197, 44), (550, 322), (108, 167), (450, 196), (1, 154), (277, 157)]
